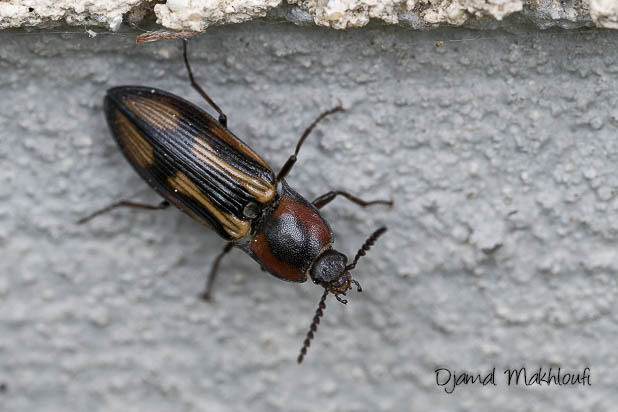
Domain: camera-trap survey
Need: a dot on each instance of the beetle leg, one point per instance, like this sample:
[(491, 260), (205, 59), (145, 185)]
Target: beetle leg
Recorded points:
[(326, 198), (222, 116), (123, 203), (207, 295), (285, 169)]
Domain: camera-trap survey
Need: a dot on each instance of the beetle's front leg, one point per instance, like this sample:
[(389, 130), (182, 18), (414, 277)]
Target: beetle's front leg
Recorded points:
[(326, 198), (207, 295)]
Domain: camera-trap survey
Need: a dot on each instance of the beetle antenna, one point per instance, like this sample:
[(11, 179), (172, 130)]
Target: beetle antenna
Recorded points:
[(366, 246), (314, 326)]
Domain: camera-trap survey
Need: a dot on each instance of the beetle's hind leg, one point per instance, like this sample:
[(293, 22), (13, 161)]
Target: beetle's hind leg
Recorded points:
[(285, 169), (326, 198), (207, 295), (123, 203), (222, 116)]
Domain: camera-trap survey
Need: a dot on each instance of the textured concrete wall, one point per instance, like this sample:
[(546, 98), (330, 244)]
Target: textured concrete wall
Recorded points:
[(499, 149)]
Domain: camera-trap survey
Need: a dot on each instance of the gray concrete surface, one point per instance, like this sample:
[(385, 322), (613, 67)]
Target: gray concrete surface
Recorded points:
[(498, 148)]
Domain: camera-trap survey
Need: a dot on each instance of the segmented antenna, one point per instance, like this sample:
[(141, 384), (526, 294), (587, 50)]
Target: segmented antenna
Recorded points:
[(363, 250), (314, 326), (322, 305)]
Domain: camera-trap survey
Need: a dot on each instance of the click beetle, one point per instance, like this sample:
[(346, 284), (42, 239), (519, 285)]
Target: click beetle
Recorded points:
[(195, 163)]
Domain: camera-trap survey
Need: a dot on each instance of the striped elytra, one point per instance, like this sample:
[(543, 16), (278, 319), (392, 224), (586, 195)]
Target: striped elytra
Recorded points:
[(189, 158)]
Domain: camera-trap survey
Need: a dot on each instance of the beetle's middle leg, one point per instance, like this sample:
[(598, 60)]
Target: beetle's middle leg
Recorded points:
[(123, 203), (207, 295), (285, 169), (222, 116), (326, 198)]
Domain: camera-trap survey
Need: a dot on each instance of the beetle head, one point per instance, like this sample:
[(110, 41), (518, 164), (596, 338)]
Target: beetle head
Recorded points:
[(331, 271)]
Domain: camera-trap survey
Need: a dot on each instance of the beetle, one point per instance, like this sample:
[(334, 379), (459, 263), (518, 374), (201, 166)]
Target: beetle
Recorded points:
[(194, 162)]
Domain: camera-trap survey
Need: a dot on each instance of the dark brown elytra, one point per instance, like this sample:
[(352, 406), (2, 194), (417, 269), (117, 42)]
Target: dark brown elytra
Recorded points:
[(195, 163)]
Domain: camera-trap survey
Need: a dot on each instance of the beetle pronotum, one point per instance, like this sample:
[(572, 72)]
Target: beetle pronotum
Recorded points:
[(194, 162)]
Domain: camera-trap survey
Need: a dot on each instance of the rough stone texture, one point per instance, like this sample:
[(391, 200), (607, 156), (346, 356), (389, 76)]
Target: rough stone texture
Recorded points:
[(499, 150), (197, 15), (604, 13), (45, 13)]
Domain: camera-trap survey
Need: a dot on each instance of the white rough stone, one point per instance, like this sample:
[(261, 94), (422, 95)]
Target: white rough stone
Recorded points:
[(458, 11), (20, 13), (197, 15), (497, 9), (341, 14), (604, 13)]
